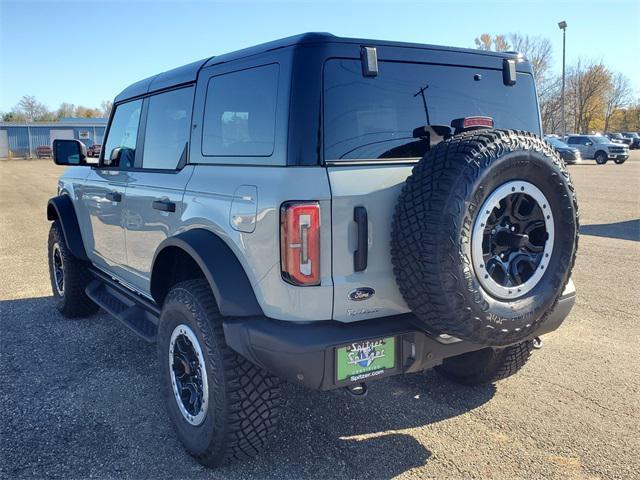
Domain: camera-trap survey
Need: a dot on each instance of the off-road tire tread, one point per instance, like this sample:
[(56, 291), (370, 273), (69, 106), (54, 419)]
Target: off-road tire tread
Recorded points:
[(501, 364), (75, 302), (425, 231), (252, 400)]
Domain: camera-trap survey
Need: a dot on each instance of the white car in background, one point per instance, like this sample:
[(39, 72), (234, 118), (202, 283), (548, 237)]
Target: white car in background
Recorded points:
[(599, 148)]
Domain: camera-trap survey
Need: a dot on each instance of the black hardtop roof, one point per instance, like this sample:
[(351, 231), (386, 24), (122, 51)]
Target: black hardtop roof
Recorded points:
[(189, 73)]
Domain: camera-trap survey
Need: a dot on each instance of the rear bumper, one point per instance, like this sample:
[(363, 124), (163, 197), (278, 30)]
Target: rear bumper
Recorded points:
[(304, 353)]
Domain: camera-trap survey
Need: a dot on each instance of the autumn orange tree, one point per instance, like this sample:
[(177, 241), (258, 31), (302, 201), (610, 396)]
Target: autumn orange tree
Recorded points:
[(596, 98)]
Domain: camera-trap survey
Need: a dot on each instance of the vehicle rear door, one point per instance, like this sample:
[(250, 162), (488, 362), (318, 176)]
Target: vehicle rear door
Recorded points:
[(155, 190), (585, 145), (592, 147), (102, 195), (370, 150)]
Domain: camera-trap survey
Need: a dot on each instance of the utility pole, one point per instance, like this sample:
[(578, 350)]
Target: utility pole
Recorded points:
[(424, 101), (563, 26)]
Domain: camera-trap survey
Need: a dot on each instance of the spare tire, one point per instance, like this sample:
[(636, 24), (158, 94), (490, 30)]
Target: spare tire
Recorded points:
[(484, 236)]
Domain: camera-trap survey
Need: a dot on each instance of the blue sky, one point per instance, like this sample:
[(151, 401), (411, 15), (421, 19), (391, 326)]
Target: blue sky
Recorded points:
[(84, 52)]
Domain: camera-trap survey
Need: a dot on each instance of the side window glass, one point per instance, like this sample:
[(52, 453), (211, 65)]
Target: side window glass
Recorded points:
[(120, 147), (240, 113), (167, 129), (572, 140)]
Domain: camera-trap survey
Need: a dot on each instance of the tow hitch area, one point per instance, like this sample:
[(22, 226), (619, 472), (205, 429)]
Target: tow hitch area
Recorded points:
[(326, 355), (358, 390)]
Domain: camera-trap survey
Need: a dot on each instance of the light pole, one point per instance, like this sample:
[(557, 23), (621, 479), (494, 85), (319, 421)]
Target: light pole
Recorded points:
[(563, 27)]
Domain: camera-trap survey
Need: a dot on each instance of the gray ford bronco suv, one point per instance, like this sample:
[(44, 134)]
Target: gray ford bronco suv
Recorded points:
[(323, 210)]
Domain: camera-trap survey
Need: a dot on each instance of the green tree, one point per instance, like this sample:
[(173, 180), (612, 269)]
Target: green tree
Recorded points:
[(14, 116)]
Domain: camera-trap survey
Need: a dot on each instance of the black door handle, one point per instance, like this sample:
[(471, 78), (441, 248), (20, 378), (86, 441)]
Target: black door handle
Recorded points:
[(164, 205), (114, 196), (362, 251)]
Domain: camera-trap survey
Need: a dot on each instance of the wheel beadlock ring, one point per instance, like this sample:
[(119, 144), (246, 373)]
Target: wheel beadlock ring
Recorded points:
[(486, 232), (185, 349)]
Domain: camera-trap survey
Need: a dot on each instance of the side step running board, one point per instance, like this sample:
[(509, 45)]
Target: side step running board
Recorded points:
[(134, 311)]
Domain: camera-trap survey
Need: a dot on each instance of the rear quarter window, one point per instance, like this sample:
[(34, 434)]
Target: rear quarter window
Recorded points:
[(240, 113), (374, 117)]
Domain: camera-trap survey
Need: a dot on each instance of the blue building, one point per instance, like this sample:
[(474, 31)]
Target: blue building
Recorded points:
[(20, 140)]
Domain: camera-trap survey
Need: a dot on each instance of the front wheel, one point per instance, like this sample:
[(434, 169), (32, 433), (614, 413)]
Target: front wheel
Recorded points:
[(69, 277), (601, 158), (223, 407), (487, 365), (620, 161)]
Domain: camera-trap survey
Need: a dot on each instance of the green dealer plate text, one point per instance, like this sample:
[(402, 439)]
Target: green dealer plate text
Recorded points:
[(367, 359)]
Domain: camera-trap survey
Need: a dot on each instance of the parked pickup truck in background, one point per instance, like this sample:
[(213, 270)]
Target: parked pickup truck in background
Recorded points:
[(599, 148)]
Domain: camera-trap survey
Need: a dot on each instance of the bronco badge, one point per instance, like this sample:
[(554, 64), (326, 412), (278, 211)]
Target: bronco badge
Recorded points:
[(362, 293)]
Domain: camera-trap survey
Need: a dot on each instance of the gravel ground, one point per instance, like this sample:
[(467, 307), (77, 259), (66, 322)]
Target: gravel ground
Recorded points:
[(80, 397)]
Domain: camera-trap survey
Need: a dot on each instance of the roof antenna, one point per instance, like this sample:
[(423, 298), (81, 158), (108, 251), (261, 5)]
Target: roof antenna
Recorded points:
[(424, 101)]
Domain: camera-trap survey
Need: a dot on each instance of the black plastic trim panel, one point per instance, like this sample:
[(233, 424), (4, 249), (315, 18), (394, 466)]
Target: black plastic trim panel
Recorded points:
[(222, 269), (305, 353), (61, 208)]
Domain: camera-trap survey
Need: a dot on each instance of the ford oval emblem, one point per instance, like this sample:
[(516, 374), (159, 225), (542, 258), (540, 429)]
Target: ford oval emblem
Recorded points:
[(362, 293)]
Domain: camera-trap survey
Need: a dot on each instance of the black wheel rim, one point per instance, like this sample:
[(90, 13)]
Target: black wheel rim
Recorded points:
[(512, 239), (58, 269), (188, 374)]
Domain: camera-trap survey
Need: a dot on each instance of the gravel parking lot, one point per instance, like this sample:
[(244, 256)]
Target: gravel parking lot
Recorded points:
[(79, 398)]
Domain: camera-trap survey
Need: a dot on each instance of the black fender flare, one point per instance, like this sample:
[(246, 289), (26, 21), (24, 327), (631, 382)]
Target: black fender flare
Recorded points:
[(61, 208), (222, 269)]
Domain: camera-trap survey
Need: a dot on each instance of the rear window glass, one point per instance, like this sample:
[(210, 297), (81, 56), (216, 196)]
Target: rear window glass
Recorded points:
[(374, 117), (240, 113)]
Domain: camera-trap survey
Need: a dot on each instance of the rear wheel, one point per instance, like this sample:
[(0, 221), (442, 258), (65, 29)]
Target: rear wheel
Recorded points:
[(601, 158), (223, 407), (487, 365), (69, 277)]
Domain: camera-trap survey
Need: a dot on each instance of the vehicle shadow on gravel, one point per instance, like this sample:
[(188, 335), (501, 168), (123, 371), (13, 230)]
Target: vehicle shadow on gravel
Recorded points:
[(80, 398), (629, 230)]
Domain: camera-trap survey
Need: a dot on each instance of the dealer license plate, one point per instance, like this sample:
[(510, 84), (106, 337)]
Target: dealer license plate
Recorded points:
[(364, 360)]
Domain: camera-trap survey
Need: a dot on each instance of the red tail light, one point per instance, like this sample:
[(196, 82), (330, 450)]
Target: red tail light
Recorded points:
[(469, 122), (300, 242)]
